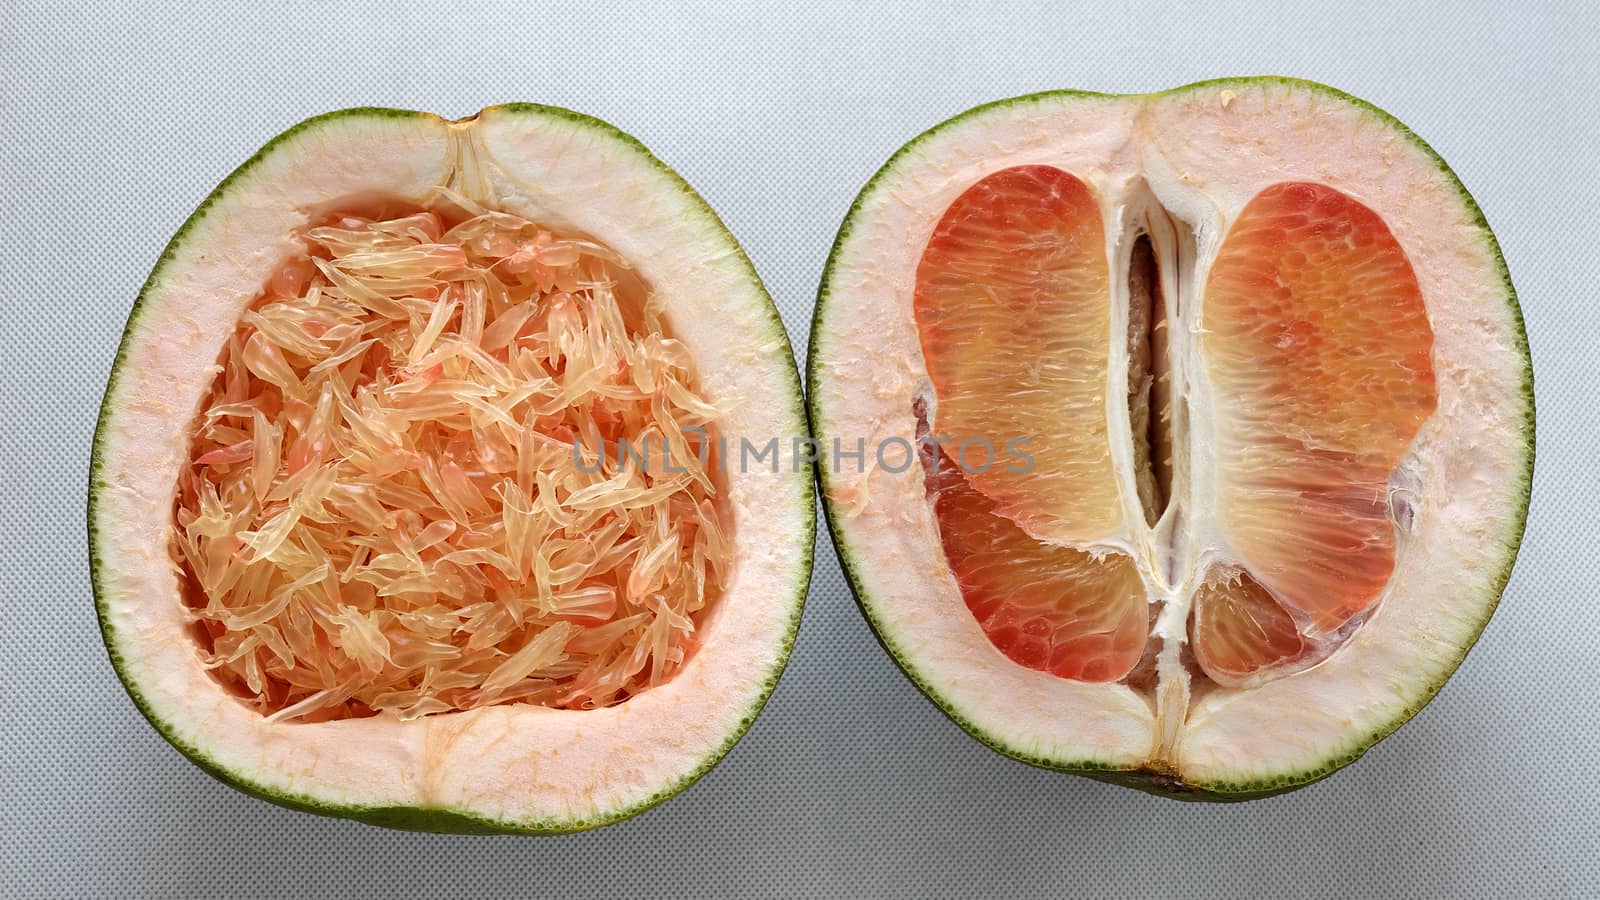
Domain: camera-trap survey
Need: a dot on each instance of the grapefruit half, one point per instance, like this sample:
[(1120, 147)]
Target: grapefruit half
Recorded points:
[(1225, 419), (406, 502)]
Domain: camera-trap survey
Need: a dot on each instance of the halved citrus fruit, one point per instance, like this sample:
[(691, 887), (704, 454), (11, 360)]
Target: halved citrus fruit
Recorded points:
[(1253, 391), (407, 503)]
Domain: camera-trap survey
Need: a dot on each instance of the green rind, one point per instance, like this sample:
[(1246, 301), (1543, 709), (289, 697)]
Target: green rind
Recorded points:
[(431, 819), (1140, 779)]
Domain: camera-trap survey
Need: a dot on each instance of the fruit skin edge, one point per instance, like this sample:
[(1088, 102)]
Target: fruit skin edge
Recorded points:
[(1149, 779), (417, 818)]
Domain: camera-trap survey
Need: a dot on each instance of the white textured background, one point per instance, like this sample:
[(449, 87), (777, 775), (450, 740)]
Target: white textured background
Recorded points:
[(115, 120)]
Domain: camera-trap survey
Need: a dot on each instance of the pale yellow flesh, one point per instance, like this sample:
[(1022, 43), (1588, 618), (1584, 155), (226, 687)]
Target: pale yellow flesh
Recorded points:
[(414, 487), (521, 765)]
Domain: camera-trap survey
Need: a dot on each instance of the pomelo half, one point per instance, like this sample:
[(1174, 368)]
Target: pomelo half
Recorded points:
[(407, 501), (1223, 417)]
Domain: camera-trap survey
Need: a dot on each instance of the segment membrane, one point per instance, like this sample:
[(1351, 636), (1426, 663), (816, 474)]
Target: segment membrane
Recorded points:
[(1149, 381), (1319, 351)]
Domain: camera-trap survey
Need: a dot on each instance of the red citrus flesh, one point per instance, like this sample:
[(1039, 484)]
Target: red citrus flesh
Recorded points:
[(1317, 343), (1316, 340), (1045, 607), (1013, 305), (1245, 629)]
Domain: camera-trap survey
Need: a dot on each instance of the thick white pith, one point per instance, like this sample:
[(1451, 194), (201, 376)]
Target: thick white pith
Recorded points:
[(516, 766), (1201, 154)]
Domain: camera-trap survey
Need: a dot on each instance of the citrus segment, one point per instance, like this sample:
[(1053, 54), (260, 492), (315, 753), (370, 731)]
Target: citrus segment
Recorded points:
[(364, 536), (1045, 607), (1013, 310), (1318, 347), (1240, 629)]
